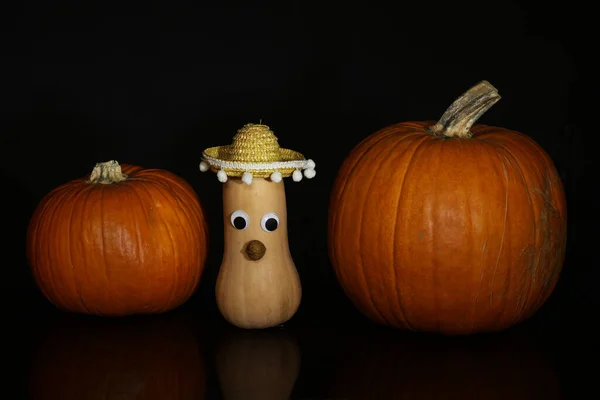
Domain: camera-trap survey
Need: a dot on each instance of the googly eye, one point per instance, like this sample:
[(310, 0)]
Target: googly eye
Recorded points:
[(269, 222), (240, 220)]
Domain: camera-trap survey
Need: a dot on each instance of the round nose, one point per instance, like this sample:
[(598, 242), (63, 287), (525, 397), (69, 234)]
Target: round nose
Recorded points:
[(255, 250)]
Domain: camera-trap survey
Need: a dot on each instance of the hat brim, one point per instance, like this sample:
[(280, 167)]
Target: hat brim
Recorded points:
[(286, 163)]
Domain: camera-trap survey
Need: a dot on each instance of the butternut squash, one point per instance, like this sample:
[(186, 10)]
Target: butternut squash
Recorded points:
[(258, 285)]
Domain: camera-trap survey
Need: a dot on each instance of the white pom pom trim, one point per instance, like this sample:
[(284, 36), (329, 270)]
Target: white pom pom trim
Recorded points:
[(310, 173), (297, 176), (276, 176), (222, 176), (204, 166), (247, 178), (307, 165)]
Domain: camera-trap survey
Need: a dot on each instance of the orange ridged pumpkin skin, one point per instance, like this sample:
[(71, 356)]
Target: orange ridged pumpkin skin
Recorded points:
[(137, 246), (447, 235)]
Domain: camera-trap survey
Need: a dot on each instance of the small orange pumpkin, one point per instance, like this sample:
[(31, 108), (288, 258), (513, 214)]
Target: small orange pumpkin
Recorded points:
[(123, 240), (448, 227)]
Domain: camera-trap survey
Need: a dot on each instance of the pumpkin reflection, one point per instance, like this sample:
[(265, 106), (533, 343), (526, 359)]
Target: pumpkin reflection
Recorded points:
[(405, 367), (139, 358), (258, 364)]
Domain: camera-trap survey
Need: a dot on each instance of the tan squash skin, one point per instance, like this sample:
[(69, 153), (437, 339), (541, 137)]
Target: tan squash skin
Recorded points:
[(266, 292)]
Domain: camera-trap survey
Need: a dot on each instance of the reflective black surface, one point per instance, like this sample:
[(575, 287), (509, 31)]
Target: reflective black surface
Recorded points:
[(154, 85), (191, 354)]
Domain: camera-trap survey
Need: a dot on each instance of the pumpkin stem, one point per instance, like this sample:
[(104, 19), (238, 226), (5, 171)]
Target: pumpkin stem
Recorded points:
[(107, 172), (465, 111)]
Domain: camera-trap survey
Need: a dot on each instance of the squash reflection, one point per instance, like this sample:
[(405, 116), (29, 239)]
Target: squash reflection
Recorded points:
[(405, 367), (88, 358), (262, 364)]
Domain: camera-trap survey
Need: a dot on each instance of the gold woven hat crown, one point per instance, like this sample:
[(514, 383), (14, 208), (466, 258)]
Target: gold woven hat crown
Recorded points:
[(255, 152)]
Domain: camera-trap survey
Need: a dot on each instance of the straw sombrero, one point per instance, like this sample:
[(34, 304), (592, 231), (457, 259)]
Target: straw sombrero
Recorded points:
[(255, 152)]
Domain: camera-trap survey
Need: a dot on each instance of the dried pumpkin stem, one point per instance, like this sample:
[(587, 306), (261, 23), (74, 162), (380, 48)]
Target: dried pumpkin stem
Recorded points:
[(107, 172), (465, 111)]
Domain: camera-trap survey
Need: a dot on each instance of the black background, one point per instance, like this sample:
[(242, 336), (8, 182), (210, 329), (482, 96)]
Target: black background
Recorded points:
[(156, 84)]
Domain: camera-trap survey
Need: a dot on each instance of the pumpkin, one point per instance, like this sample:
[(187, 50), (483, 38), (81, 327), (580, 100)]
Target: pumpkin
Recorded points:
[(258, 364), (392, 366), (148, 358), (123, 240), (258, 285), (448, 227)]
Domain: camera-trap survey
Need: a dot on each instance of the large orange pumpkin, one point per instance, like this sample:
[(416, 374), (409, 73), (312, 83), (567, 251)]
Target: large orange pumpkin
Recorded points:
[(145, 358), (448, 227), (123, 240)]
